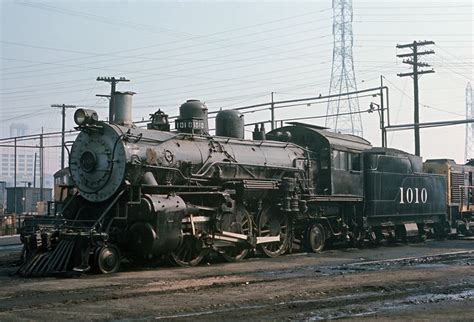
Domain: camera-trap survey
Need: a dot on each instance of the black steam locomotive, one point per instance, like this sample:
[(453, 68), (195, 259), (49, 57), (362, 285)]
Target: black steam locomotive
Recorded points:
[(183, 194)]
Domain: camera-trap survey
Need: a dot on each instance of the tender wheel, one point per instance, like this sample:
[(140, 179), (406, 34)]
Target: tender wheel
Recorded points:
[(359, 238), (190, 253), (439, 231), (239, 223), (107, 259), (315, 238), (272, 222)]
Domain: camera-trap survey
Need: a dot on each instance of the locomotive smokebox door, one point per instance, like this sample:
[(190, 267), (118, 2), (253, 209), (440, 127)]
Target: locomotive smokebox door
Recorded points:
[(98, 163)]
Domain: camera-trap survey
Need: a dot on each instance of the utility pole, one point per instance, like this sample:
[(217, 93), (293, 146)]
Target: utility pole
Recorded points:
[(63, 107), (113, 87), (34, 172), (272, 109), (413, 61), (382, 114), (14, 179), (41, 165), (469, 144)]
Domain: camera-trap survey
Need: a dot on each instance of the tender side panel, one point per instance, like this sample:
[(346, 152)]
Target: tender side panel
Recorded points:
[(396, 194)]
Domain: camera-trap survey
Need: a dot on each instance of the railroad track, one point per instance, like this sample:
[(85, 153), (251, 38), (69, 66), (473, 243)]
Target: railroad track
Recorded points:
[(328, 286), (11, 247), (10, 243)]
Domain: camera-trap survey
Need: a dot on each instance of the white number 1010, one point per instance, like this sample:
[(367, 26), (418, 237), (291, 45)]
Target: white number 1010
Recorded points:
[(413, 195)]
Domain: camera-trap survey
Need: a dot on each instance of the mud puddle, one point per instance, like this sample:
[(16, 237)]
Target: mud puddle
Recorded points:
[(337, 307), (436, 261), (443, 260), (359, 310)]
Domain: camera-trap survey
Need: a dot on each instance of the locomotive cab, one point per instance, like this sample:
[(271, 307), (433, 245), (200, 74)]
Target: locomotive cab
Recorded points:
[(336, 158)]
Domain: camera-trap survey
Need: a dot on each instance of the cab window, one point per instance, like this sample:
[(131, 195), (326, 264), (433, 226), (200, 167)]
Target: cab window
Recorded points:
[(340, 160), (354, 161), (346, 160)]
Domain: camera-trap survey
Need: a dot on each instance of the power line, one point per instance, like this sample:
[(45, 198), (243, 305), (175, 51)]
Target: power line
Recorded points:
[(404, 94), (166, 58), (120, 21), (434, 20), (141, 82), (444, 14), (306, 85), (106, 20), (409, 7), (148, 70), (186, 47), (215, 70), (448, 52)]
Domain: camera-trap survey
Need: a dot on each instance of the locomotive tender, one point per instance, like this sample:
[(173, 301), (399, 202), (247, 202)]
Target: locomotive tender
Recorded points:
[(147, 193)]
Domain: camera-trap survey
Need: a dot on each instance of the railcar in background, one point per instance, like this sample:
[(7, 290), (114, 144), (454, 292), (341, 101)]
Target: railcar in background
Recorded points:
[(459, 192)]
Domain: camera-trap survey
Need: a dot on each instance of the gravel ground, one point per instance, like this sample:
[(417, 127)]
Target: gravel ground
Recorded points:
[(426, 281)]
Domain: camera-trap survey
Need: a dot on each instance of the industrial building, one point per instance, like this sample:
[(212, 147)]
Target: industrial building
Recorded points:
[(25, 199)]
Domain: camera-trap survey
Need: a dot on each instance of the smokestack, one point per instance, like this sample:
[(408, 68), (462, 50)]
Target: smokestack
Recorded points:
[(121, 112)]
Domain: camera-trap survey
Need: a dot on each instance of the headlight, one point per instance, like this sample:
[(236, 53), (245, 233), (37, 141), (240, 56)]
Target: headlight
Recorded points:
[(84, 117)]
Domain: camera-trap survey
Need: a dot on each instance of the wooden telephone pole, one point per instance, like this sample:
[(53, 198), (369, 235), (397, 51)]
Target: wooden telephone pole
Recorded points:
[(413, 61), (113, 87), (63, 107)]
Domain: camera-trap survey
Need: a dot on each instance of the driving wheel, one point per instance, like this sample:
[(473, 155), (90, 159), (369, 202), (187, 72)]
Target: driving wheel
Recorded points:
[(238, 222), (272, 222), (189, 253)]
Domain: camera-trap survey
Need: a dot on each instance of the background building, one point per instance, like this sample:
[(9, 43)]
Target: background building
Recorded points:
[(25, 199), (27, 160), (3, 196)]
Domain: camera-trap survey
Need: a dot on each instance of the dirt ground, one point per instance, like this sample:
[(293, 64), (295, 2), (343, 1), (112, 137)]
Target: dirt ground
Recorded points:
[(433, 280)]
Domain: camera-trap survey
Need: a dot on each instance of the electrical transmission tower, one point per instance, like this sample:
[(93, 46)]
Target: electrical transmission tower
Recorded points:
[(416, 64), (469, 147), (343, 113)]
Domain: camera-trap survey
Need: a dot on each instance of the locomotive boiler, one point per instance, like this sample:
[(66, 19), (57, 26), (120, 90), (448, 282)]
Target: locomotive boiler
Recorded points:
[(182, 195)]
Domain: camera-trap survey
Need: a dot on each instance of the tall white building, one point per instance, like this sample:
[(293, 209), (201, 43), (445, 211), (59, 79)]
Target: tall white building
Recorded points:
[(25, 161)]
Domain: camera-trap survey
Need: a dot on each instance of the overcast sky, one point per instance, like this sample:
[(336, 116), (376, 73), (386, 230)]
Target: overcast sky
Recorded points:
[(231, 54)]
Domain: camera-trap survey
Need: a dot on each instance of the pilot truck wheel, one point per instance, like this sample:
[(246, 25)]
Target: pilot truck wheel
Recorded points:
[(315, 238)]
